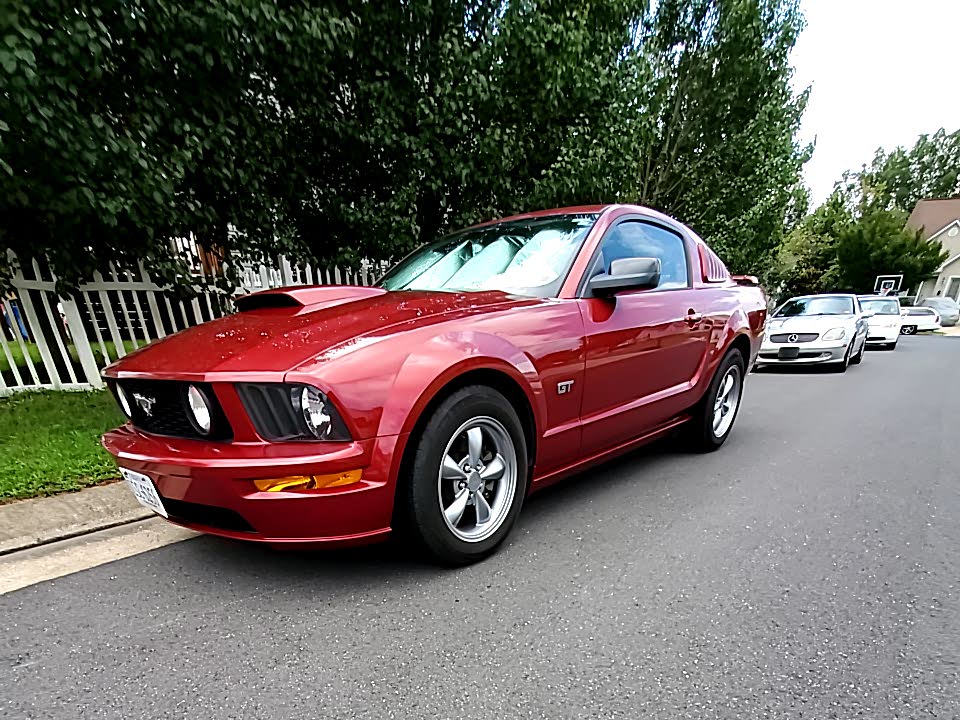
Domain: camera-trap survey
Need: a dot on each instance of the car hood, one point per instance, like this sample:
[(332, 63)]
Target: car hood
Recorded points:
[(277, 331), (808, 323)]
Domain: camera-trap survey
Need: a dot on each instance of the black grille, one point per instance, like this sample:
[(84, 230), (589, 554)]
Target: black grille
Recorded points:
[(168, 412), (271, 410), (800, 337), (207, 515)]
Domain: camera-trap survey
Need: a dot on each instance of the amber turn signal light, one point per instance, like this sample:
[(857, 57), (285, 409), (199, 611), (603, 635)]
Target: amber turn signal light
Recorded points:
[(295, 483)]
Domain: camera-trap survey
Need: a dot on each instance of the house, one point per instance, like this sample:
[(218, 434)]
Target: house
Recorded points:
[(940, 220)]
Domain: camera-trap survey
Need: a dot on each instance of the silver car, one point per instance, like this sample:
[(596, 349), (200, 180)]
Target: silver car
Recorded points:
[(815, 329), (946, 308)]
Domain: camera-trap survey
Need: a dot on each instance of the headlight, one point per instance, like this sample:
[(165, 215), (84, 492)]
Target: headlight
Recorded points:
[(834, 334), (199, 409), (293, 411), (124, 402), (313, 405)]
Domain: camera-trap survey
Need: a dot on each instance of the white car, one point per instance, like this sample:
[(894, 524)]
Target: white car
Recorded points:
[(814, 329), (918, 319), (883, 317)]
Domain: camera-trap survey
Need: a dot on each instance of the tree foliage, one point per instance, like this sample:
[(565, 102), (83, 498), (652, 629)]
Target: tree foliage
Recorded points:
[(705, 129), (130, 122), (879, 243), (341, 129), (844, 247), (903, 177)]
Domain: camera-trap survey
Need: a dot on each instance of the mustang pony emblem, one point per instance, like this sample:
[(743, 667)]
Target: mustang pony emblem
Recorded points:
[(145, 403)]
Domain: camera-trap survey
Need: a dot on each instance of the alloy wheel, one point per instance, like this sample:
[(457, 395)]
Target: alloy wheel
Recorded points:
[(727, 400), (477, 480)]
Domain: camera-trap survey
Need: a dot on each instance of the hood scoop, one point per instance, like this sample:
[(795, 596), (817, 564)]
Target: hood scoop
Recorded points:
[(304, 297)]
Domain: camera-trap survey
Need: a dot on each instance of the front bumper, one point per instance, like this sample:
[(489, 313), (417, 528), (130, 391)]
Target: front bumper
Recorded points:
[(208, 486), (805, 353), (883, 335)]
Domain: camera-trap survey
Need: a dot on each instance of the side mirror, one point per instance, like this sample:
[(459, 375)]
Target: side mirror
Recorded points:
[(640, 273), (867, 315)]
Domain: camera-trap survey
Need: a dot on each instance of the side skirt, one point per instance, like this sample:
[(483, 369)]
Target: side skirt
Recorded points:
[(542, 481)]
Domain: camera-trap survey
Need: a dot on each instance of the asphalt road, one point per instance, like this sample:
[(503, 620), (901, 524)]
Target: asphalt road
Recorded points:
[(810, 569)]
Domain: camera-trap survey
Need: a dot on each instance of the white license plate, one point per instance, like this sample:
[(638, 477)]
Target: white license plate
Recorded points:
[(144, 490)]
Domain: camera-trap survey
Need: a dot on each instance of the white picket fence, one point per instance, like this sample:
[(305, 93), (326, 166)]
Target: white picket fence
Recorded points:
[(49, 341)]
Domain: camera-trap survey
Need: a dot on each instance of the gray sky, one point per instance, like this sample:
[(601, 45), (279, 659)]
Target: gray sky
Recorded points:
[(882, 73)]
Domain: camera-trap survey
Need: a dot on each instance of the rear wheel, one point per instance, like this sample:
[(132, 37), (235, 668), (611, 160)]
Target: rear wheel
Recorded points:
[(463, 491), (715, 414), (908, 330)]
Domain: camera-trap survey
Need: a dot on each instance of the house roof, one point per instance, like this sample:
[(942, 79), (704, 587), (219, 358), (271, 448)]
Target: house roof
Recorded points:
[(934, 215)]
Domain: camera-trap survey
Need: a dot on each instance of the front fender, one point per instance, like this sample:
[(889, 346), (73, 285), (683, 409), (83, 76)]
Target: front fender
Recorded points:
[(439, 361)]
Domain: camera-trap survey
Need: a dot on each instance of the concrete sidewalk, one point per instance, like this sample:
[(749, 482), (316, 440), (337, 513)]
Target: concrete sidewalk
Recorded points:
[(28, 523), (951, 331)]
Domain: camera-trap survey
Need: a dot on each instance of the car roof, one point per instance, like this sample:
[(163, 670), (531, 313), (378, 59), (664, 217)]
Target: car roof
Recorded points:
[(843, 295), (949, 302), (578, 210)]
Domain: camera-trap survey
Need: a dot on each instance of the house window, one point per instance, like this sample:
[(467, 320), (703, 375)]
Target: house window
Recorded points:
[(953, 288)]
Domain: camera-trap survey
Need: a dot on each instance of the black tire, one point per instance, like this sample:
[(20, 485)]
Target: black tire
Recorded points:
[(419, 514), (908, 330), (700, 435), (856, 359)]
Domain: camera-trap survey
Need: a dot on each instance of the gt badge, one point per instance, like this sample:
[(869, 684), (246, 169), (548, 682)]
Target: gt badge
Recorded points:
[(564, 387)]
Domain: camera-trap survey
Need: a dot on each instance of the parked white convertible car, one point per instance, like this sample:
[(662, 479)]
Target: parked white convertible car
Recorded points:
[(883, 317), (815, 329)]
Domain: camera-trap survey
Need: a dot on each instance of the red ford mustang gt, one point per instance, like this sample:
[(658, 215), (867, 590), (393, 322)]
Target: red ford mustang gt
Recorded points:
[(483, 366)]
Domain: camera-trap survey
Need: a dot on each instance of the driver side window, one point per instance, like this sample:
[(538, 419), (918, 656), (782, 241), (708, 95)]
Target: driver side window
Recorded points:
[(635, 238)]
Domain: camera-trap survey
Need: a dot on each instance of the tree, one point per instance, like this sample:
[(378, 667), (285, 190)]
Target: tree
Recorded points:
[(448, 113), (126, 123), (879, 243), (807, 261), (703, 128), (337, 129), (844, 246), (904, 177)]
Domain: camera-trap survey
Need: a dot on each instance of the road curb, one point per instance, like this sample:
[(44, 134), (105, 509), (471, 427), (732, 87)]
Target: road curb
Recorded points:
[(29, 523)]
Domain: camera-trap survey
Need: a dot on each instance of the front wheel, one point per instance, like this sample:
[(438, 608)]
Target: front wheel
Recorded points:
[(908, 330), (463, 491), (841, 367), (856, 359), (715, 414)]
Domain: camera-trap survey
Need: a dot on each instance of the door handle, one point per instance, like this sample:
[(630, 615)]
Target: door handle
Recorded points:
[(693, 317)]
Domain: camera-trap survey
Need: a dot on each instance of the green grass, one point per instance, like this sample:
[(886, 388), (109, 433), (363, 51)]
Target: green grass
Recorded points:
[(50, 442), (34, 351)]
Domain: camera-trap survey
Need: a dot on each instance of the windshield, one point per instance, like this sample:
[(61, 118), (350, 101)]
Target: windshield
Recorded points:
[(524, 257), (880, 307), (822, 305)]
